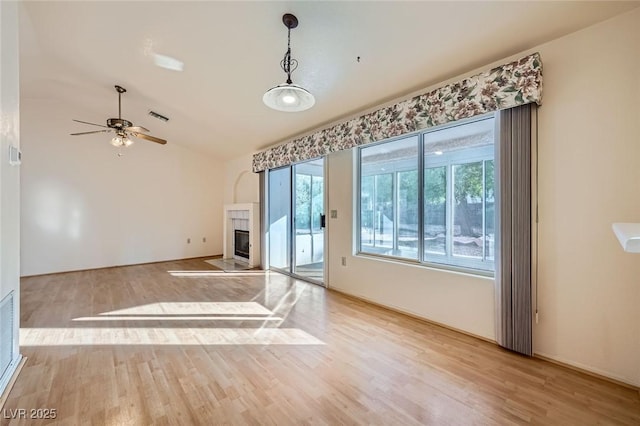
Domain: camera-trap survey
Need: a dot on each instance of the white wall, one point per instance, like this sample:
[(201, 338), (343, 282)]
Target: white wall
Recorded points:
[(84, 207), (9, 175), (589, 152), (241, 184)]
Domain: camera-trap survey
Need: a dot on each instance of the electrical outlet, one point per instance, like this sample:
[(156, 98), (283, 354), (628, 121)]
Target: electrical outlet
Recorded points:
[(188, 240), (344, 261), (204, 239)]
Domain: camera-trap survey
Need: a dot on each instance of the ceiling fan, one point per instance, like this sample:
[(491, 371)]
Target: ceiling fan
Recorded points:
[(121, 127)]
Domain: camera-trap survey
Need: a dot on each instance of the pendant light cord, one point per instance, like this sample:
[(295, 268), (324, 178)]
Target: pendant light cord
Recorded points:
[(287, 56), (288, 65)]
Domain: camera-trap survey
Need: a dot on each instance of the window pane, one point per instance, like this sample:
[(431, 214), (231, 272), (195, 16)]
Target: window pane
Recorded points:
[(463, 139), (317, 201), (389, 198), (303, 203), (457, 189), (279, 217), (467, 210), (459, 195), (367, 231), (383, 212), (489, 212), (435, 210), (408, 214)]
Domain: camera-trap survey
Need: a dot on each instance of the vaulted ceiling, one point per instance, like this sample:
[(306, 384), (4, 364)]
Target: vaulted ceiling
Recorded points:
[(74, 52)]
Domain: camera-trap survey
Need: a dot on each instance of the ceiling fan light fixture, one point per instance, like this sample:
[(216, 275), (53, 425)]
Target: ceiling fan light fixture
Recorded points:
[(288, 97), (121, 140), (117, 141), (123, 129)]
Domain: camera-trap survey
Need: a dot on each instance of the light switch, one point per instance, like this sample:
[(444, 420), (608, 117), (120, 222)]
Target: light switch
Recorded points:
[(15, 156), (334, 214)]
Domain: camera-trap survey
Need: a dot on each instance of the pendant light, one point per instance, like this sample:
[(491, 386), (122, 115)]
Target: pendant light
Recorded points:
[(289, 97)]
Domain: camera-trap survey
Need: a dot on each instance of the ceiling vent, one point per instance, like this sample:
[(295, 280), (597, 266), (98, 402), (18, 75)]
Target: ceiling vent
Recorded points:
[(158, 116)]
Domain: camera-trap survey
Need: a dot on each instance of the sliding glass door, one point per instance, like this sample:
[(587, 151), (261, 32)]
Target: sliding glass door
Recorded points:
[(308, 224), (280, 218), (296, 219)]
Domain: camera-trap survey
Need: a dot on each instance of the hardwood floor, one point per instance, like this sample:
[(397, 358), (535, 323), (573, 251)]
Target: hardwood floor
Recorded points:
[(181, 343)]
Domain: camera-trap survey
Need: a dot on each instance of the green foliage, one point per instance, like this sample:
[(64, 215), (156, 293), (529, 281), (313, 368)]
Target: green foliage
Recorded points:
[(435, 185), (467, 180), (384, 194), (408, 187), (489, 180)]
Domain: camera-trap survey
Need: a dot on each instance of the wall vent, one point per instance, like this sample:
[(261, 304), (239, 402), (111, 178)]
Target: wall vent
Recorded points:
[(158, 116), (6, 335)]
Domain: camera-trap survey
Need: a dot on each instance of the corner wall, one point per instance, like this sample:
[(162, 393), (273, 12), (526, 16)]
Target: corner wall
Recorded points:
[(84, 207)]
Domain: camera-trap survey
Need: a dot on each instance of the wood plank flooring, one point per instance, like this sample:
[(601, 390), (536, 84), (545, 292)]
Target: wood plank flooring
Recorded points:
[(181, 343)]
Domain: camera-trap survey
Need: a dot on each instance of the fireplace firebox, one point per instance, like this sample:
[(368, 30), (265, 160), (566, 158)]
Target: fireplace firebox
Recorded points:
[(241, 244)]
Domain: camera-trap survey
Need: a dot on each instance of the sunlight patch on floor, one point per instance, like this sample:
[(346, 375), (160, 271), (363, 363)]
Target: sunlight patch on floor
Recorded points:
[(193, 308), (164, 336), (217, 274), (174, 318)]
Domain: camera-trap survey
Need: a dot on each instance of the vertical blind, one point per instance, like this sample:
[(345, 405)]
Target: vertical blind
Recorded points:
[(513, 219)]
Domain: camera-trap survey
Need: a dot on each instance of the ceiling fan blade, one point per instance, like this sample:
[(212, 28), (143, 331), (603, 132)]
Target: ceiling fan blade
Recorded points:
[(136, 129), (88, 133), (149, 138), (93, 124)]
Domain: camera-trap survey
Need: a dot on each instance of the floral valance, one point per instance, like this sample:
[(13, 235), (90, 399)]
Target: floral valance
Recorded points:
[(509, 85)]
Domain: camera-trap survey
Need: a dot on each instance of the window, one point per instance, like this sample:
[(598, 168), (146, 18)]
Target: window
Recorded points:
[(430, 197), (389, 198)]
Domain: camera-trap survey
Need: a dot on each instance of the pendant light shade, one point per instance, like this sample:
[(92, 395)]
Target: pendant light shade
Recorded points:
[(288, 97)]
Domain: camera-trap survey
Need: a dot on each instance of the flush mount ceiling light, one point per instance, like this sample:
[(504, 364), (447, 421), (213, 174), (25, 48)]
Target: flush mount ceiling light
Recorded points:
[(288, 97), (167, 62)]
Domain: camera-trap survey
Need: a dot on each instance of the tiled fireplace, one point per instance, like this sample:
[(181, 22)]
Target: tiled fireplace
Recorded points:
[(242, 233)]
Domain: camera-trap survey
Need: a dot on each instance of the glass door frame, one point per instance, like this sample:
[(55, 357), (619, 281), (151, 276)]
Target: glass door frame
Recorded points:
[(291, 224)]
